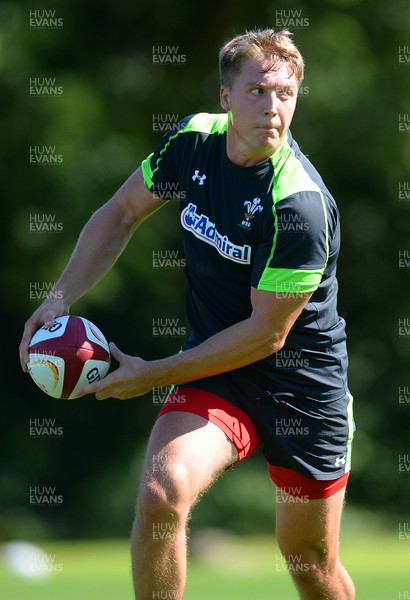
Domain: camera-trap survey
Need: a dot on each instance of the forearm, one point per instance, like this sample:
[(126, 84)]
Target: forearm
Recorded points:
[(239, 345), (99, 245), (246, 342)]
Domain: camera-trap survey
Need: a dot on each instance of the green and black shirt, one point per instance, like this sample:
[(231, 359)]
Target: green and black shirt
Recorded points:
[(273, 226)]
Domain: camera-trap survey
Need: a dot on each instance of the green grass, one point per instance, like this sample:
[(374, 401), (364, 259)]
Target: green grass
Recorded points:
[(243, 569)]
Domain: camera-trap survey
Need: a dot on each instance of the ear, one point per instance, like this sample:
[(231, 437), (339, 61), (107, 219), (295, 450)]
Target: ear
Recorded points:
[(224, 97)]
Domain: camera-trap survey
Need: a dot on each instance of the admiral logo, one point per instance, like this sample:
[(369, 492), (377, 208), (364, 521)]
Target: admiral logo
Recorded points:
[(205, 230), (252, 208)]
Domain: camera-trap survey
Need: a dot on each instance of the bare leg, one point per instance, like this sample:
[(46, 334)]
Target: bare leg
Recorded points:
[(308, 536), (185, 455)]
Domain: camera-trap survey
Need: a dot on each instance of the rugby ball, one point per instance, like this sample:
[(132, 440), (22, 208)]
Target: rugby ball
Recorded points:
[(67, 356)]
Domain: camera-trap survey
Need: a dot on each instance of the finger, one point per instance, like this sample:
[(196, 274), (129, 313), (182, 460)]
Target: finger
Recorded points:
[(50, 315), (95, 387), (115, 352), (83, 391), (49, 318), (24, 346), (24, 357), (29, 330), (103, 395), (23, 363)]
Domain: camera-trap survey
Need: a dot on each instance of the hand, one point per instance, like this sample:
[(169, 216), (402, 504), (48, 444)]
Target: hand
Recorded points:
[(44, 315), (132, 378)]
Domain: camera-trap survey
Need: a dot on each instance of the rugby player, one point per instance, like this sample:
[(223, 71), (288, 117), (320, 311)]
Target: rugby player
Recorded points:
[(266, 362)]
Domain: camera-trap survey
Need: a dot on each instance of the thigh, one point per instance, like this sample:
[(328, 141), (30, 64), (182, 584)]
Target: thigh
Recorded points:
[(185, 454), (310, 436), (310, 528)]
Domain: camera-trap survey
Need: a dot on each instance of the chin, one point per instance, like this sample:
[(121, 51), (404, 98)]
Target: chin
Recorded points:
[(272, 143)]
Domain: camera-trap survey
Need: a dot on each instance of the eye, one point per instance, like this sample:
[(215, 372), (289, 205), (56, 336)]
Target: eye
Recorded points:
[(256, 91), (284, 91)]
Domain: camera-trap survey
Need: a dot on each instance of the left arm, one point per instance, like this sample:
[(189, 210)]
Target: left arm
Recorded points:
[(250, 340)]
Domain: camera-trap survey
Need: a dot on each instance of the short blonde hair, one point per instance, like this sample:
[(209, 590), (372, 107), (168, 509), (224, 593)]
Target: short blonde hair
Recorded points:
[(260, 43)]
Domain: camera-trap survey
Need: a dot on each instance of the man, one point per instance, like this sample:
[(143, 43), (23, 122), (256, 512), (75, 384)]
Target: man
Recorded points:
[(266, 359)]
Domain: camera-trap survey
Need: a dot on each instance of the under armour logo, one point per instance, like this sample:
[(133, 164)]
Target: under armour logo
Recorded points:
[(340, 460), (201, 178)]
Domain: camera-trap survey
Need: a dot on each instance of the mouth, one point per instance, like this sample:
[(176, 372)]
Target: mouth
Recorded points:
[(269, 129)]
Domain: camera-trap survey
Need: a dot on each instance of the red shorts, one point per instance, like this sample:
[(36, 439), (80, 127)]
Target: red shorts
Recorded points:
[(242, 432)]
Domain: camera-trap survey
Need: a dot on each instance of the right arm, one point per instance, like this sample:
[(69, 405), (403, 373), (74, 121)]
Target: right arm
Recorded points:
[(101, 242)]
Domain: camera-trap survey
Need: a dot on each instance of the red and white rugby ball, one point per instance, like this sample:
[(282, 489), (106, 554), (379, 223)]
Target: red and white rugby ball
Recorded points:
[(67, 356)]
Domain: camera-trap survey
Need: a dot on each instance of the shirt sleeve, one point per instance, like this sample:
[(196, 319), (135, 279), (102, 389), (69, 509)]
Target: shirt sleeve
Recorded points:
[(295, 250), (160, 168)]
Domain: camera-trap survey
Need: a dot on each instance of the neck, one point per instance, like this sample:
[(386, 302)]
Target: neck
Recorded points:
[(243, 158), (243, 154)]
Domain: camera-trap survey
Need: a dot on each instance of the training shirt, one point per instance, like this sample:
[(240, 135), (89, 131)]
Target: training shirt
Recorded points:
[(273, 226)]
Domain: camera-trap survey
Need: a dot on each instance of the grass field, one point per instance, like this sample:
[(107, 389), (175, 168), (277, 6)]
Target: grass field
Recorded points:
[(244, 569)]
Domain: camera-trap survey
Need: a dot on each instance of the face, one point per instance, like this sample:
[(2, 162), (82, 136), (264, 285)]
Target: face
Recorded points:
[(260, 104)]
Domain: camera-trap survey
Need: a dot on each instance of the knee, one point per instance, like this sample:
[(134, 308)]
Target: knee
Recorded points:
[(317, 571), (164, 494), (310, 564)]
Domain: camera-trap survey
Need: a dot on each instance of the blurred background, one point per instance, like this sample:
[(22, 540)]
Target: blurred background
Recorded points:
[(86, 91)]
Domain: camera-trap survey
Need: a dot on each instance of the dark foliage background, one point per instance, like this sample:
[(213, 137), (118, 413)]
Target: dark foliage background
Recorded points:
[(347, 121)]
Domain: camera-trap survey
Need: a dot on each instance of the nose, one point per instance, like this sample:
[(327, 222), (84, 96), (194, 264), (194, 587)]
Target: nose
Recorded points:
[(271, 107)]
